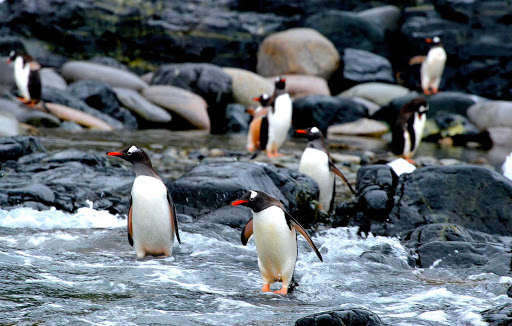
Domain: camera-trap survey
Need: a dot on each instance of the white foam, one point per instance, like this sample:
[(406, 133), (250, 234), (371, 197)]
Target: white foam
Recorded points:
[(84, 218), (437, 315)]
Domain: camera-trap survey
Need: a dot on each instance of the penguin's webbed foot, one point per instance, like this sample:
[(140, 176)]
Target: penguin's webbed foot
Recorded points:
[(282, 291), (265, 288)]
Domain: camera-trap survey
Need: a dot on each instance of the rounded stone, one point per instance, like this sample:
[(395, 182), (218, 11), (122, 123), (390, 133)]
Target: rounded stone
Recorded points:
[(50, 78), (304, 85), (379, 93), (136, 103), (491, 114), (248, 85)]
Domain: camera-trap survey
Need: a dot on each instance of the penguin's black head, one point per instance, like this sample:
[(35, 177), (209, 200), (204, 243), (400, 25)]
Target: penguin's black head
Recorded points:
[(132, 154), (19, 53), (418, 104), (263, 99), (256, 200), (280, 83), (312, 133), (13, 56)]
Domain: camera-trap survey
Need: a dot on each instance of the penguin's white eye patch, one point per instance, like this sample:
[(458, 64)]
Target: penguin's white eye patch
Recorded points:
[(314, 130), (253, 195), (423, 109), (132, 150)]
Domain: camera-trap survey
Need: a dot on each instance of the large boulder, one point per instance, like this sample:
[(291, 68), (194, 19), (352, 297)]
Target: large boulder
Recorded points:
[(9, 125), (379, 93), (144, 109), (24, 114), (12, 148), (211, 186), (248, 85), (342, 317), (297, 51), (304, 85), (490, 114), (50, 78)]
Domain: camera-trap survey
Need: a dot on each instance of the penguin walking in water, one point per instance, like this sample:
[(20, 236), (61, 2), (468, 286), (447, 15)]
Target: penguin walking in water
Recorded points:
[(433, 66), (26, 76), (279, 118), (152, 221), (275, 238), (317, 163), (408, 130), (258, 128)]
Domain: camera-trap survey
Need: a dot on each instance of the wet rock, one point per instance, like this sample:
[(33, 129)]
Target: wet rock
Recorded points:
[(361, 66), (9, 125), (297, 51), (100, 96), (372, 107), (50, 78), (207, 80), (323, 111), (29, 116), (303, 85), (341, 317), (12, 148), (349, 30), (455, 127), (209, 187), (238, 118), (362, 127), (235, 217), (500, 315), (490, 114), (76, 116), (248, 85), (384, 254), (190, 107), (383, 16), (144, 109), (115, 77), (379, 93)]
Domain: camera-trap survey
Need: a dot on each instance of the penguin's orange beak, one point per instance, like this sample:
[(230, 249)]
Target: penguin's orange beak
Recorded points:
[(239, 202), (301, 131), (428, 40), (283, 80), (114, 154), (257, 99), (9, 60)]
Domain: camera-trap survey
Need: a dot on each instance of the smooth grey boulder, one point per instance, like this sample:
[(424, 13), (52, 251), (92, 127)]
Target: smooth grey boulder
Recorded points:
[(143, 108), (50, 78)]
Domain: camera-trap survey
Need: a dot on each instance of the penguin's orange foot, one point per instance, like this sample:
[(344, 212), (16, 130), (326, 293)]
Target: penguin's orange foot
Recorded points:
[(435, 90), (282, 291), (410, 160), (427, 91), (265, 288)]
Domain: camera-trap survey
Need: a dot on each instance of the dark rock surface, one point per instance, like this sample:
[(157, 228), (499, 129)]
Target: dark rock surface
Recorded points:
[(498, 316), (323, 111), (361, 66), (212, 186), (238, 119), (12, 148), (342, 317)]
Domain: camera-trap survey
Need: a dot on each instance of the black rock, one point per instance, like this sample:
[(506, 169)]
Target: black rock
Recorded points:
[(211, 186), (235, 217), (342, 317), (377, 176), (498, 316), (103, 98), (238, 118), (361, 66), (12, 148), (383, 254), (322, 111)]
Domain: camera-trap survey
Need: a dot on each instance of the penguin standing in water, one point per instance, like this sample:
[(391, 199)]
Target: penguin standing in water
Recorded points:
[(26, 76), (433, 66), (275, 238), (152, 220), (408, 130), (317, 163), (258, 128), (279, 118)]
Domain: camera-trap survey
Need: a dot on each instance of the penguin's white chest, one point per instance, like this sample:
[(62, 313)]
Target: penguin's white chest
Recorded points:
[(151, 217), (419, 126), (433, 65), (276, 244), (21, 73), (279, 121), (315, 163)]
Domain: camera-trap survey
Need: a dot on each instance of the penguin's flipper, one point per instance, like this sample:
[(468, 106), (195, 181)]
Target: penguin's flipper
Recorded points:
[(174, 216), (130, 232), (246, 232), (338, 172), (293, 222)]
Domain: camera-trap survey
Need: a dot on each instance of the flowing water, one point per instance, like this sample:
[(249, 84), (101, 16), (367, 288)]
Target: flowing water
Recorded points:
[(59, 268)]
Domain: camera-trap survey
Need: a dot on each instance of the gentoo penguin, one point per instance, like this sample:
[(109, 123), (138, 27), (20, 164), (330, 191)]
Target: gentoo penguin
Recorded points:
[(275, 238), (408, 130), (317, 163), (26, 75), (279, 117), (433, 66), (258, 128), (152, 219), (506, 168)]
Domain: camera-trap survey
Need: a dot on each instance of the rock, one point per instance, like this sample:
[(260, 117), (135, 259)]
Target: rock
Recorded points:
[(349, 30), (303, 85), (500, 135), (341, 317), (109, 61), (238, 118), (7, 82), (50, 78), (9, 125), (361, 66), (384, 254), (362, 127), (115, 77), (63, 97), (209, 187), (385, 16), (232, 216), (81, 118), (500, 315), (297, 51), (491, 114), (248, 85), (379, 93), (144, 109), (190, 107), (322, 111), (208, 81), (29, 116), (12, 148), (372, 107)]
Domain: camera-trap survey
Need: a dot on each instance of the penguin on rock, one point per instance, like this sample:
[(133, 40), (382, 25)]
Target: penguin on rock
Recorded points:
[(433, 66), (152, 219), (275, 238), (317, 163), (279, 117), (258, 128), (408, 129), (26, 76)]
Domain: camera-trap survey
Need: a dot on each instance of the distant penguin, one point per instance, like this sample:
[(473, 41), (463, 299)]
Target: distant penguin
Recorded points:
[(317, 163), (279, 118), (275, 238), (26, 76), (258, 128), (408, 129), (433, 66), (152, 220), (506, 168)]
